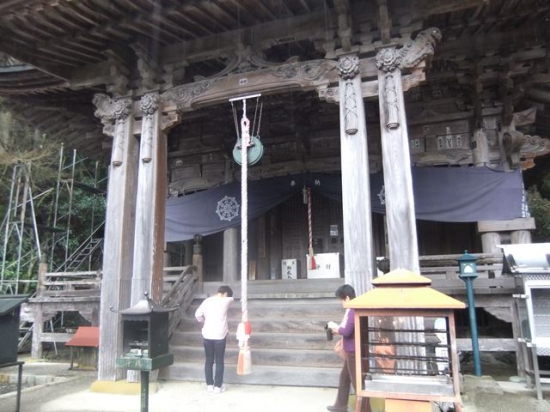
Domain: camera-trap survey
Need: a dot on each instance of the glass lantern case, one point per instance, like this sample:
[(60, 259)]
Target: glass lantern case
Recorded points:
[(530, 265), (405, 339)]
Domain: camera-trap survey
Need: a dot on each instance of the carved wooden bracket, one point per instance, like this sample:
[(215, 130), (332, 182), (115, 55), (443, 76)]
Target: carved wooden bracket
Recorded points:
[(107, 110), (280, 77), (149, 105)]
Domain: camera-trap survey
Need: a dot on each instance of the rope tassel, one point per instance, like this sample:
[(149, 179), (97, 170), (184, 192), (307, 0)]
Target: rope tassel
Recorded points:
[(244, 363)]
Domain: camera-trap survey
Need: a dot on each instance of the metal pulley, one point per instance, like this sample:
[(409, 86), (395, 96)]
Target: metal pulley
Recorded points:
[(254, 152)]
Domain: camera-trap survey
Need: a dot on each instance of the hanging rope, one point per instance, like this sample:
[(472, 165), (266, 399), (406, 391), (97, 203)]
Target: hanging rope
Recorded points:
[(245, 141), (259, 122), (244, 363), (312, 264), (235, 120)]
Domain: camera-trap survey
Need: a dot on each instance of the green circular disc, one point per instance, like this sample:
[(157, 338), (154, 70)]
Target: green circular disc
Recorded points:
[(254, 153)]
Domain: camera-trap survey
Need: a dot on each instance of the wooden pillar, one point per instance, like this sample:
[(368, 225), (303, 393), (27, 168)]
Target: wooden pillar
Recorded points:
[(275, 228), (197, 259), (188, 253), (119, 230), (262, 266), (520, 236), (480, 155), (480, 148), (231, 255), (42, 270), (38, 329), (400, 210), (150, 204), (516, 334), (358, 244), (489, 242), (493, 232)]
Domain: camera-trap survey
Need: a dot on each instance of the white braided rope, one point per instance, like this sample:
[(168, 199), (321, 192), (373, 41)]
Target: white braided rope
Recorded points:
[(309, 222), (245, 140)]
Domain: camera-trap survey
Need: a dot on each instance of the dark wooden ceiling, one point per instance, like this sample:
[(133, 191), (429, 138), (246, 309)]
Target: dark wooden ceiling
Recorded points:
[(61, 50)]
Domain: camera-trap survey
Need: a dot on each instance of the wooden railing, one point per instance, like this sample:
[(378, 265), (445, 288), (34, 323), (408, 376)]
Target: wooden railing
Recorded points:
[(181, 293), (69, 284), (443, 270)]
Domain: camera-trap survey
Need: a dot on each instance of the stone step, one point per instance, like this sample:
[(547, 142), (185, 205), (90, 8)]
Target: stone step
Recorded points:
[(273, 325), (288, 341), (275, 357), (262, 340), (261, 375), (284, 288), (281, 308)]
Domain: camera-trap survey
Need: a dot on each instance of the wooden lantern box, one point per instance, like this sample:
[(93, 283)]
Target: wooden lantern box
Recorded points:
[(405, 342), (145, 337)]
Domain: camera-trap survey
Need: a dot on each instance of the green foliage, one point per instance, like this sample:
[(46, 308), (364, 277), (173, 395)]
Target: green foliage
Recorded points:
[(19, 144), (82, 215), (539, 208), (36, 159)]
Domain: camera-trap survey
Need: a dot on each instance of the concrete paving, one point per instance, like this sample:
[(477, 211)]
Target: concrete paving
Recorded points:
[(69, 391)]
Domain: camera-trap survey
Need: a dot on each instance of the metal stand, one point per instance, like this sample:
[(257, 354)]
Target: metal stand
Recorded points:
[(144, 391), (144, 366), (468, 273), (19, 381), (473, 325)]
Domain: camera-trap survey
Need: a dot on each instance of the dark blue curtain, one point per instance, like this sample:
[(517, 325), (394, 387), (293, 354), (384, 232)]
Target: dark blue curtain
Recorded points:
[(452, 194)]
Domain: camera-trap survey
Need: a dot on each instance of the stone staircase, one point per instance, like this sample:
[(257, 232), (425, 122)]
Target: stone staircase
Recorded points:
[(288, 341)]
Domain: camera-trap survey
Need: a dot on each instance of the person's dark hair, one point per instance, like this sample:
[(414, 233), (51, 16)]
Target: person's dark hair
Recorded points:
[(345, 291), (225, 289)]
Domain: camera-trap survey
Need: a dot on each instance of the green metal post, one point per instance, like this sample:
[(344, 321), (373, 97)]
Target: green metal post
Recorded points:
[(144, 391), (473, 325)]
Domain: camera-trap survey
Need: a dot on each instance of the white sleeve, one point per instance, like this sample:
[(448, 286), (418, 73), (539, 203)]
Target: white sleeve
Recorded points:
[(199, 313)]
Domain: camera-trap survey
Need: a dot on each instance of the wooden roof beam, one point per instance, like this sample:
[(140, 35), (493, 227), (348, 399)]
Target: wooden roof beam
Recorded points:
[(506, 87), (191, 22), (30, 57), (305, 5), (431, 7), (224, 13), (176, 29), (215, 22), (268, 34), (344, 23), (534, 34), (287, 9), (384, 21), (241, 9), (265, 10)]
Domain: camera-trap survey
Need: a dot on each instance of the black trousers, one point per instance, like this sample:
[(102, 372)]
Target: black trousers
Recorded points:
[(347, 381), (214, 351)]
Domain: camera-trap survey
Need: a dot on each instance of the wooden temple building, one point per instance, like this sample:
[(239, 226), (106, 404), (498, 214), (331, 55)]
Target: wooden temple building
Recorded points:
[(405, 125)]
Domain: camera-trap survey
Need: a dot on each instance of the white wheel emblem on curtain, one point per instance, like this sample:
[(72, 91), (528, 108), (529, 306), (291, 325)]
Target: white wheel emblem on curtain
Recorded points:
[(228, 208)]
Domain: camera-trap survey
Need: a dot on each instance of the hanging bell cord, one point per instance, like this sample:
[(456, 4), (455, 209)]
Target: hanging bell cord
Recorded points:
[(257, 119), (235, 120)]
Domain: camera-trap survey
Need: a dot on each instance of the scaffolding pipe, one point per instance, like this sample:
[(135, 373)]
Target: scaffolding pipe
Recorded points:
[(56, 203), (71, 185), (7, 227), (34, 225), (22, 227)]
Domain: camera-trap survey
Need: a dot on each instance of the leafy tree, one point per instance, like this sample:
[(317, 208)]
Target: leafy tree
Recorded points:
[(34, 159), (537, 180), (539, 208)]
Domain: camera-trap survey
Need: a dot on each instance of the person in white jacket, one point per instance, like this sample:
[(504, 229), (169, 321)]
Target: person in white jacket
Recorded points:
[(213, 313)]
